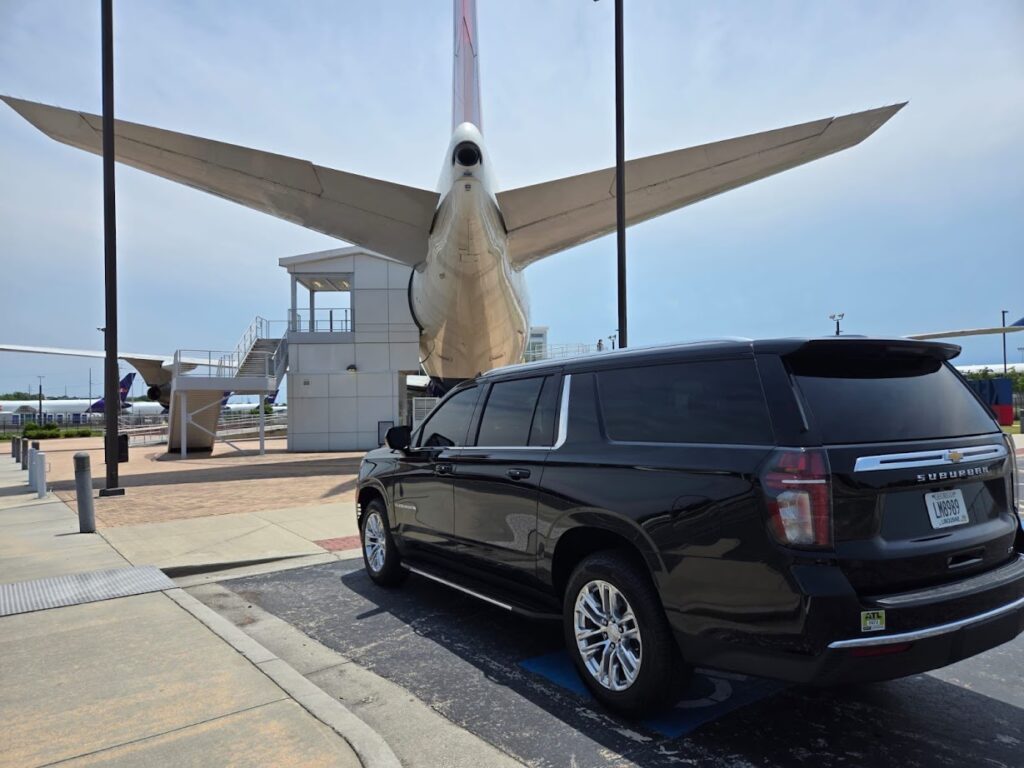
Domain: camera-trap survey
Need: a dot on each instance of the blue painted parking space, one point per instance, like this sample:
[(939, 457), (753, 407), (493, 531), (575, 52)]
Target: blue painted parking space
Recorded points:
[(709, 696)]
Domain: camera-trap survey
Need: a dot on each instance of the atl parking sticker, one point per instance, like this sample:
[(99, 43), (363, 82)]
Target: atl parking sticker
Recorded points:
[(872, 621)]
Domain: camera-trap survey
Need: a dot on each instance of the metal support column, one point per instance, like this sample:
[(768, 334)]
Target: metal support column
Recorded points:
[(183, 402), (293, 318), (263, 423)]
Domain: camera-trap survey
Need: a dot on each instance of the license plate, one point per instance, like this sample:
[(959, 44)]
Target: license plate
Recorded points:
[(947, 508)]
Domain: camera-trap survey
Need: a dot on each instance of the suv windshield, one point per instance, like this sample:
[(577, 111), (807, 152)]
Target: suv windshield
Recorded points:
[(885, 398)]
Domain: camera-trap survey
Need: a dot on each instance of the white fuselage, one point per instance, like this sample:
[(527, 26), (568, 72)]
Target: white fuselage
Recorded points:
[(68, 408), (468, 301)]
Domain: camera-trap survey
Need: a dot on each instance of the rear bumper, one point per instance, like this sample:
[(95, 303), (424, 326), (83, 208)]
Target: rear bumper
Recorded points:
[(851, 661), (925, 630)]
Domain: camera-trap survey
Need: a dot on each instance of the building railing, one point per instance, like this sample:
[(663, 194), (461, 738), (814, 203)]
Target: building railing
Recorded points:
[(554, 351), (322, 320)]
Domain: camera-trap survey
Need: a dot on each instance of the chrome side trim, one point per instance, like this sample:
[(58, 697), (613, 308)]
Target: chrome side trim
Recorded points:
[(937, 458), (923, 634), (459, 587), (563, 413)]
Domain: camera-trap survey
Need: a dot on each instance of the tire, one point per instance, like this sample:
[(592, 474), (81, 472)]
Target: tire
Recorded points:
[(634, 666), (380, 555)]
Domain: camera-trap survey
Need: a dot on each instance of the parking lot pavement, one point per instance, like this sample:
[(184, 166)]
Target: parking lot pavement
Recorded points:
[(505, 680)]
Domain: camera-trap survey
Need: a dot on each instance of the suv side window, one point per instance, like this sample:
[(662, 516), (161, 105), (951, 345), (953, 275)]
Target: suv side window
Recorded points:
[(542, 431), (509, 413), (713, 401), (448, 425)]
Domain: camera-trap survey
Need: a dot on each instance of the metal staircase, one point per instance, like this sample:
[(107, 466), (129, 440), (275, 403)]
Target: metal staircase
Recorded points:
[(255, 366)]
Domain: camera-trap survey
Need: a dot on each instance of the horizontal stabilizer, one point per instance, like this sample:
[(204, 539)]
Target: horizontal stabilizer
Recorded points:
[(391, 219), (546, 218)]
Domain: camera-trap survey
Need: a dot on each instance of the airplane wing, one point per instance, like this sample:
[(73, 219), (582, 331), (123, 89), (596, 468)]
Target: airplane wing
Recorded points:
[(1012, 328), (155, 369), (391, 219), (543, 219)]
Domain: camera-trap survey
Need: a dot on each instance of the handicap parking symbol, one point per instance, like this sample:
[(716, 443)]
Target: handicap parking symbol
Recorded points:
[(710, 695)]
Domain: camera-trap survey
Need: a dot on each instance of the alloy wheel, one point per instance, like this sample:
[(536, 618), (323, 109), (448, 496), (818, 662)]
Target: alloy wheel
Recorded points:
[(374, 541), (607, 635)]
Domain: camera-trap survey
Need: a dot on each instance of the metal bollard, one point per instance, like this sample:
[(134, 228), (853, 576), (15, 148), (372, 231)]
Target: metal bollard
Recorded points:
[(16, 449), (32, 467), (40, 474), (24, 453), (83, 494)]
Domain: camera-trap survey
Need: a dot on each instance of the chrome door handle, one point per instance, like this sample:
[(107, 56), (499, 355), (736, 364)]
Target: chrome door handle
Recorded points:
[(518, 474), (444, 469)]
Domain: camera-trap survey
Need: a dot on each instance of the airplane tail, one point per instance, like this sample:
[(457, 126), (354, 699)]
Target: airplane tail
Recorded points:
[(466, 67), (124, 387)]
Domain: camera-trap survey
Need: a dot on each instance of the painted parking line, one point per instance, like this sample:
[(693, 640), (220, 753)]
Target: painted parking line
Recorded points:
[(710, 695)]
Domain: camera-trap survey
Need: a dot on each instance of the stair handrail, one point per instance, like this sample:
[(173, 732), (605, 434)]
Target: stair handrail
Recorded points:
[(257, 330)]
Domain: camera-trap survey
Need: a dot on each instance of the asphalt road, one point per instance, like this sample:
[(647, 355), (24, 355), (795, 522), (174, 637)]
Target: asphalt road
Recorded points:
[(498, 677)]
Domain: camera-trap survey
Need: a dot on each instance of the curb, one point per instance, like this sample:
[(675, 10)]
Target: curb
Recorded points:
[(369, 746)]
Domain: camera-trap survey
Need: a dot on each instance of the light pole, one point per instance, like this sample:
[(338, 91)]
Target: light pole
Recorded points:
[(111, 392), (1004, 342), (837, 316), (620, 175), (42, 420), (1021, 350)]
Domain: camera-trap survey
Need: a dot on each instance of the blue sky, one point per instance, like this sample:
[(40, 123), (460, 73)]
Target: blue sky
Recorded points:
[(919, 228)]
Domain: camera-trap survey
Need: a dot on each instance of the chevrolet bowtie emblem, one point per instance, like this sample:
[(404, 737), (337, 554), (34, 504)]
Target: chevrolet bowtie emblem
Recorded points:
[(955, 456)]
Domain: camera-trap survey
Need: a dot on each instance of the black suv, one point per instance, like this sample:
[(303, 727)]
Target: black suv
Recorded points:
[(814, 510)]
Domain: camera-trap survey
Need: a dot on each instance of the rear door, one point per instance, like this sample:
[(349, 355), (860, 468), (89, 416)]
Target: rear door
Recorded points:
[(920, 470), (497, 476)]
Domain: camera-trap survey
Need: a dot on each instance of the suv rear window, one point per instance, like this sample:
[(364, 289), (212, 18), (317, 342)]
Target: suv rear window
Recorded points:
[(713, 401), (885, 398)]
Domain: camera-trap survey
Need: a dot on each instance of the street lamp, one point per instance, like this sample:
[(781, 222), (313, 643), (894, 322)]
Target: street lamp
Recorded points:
[(1021, 350), (837, 316)]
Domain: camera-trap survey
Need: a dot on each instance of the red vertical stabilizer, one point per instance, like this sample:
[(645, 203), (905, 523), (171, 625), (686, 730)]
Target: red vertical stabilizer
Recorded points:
[(466, 69)]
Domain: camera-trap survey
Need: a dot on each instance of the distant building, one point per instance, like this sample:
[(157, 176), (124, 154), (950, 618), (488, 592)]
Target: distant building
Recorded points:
[(537, 346)]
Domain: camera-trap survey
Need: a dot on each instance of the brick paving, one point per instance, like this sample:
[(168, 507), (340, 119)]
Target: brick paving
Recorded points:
[(161, 487), (339, 544)]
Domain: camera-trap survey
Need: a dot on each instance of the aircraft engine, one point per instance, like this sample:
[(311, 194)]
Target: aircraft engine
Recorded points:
[(160, 394)]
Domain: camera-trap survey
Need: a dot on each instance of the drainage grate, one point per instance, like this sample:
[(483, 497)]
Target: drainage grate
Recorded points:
[(40, 594)]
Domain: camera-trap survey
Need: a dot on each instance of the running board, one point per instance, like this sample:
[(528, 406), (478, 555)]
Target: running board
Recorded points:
[(489, 594)]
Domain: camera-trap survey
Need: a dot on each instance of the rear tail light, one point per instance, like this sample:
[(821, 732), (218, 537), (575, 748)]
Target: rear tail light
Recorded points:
[(798, 490)]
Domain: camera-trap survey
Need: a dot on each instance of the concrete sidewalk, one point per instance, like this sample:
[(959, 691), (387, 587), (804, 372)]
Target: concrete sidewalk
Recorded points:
[(144, 679)]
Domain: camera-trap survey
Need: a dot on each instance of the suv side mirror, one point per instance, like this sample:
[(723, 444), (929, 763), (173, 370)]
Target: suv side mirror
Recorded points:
[(397, 438)]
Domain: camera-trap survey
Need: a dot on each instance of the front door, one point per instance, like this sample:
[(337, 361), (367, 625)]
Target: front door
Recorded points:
[(423, 501), (497, 476)]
